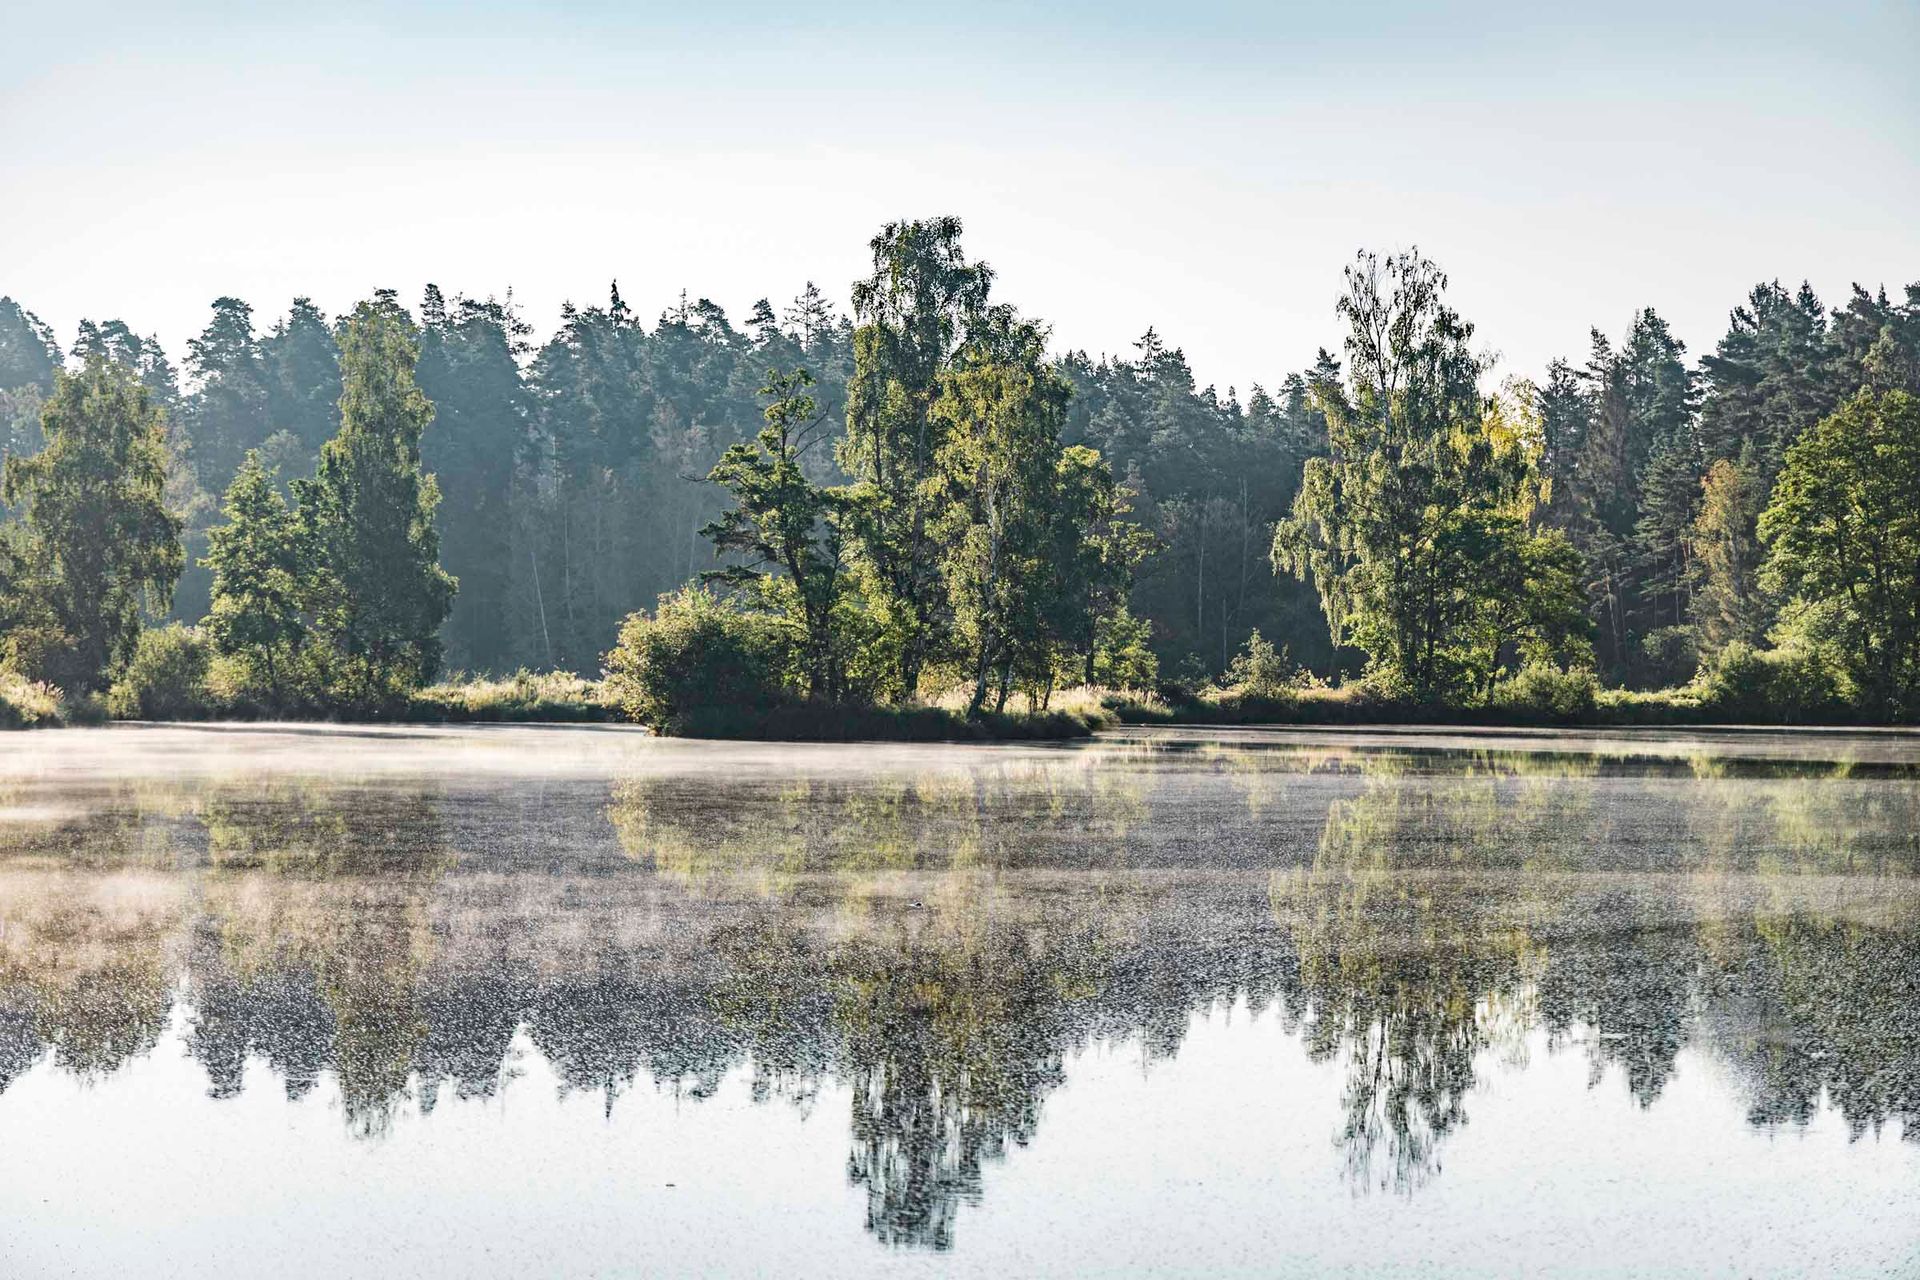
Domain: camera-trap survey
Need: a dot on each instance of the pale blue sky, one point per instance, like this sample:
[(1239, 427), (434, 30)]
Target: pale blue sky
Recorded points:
[(1204, 168)]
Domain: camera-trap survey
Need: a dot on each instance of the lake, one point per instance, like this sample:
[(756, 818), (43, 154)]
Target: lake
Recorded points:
[(308, 1001)]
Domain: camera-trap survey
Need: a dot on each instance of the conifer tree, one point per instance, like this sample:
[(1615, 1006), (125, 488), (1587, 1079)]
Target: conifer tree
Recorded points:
[(28, 354), (264, 574), (300, 363), (469, 369), (370, 510), (228, 414), (792, 530)]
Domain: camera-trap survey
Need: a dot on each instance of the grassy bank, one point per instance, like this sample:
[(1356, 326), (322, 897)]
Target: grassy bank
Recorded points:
[(29, 704), (816, 722), (1352, 705), (560, 697), (555, 698), (552, 697), (169, 691)]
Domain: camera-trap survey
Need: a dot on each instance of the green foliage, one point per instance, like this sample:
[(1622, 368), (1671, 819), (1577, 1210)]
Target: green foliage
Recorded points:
[(983, 525), (525, 696), (32, 640), (1676, 705), (229, 414), (167, 678), (28, 354), (1844, 532), (1671, 655), (27, 704), (380, 595), (794, 532), (1206, 476), (1533, 605), (922, 301), (999, 459), (1094, 552), (1261, 670), (1728, 602), (300, 364), (1772, 686), (1620, 431), (266, 570), (1413, 527), (469, 368), (1123, 656), (97, 540), (841, 722), (697, 658), (1548, 694)]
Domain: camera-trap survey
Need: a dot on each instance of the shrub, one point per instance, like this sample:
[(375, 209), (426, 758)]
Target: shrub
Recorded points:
[(1122, 654), (1260, 672), (87, 709), (233, 685), (526, 696), (1541, 692), (27, 704), (1670, 655), (1183, 685), (698, 658), (1788, 686), (167, 679)]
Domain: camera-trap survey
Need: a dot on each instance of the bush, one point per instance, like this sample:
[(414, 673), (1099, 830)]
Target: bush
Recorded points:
[(1123, 657), (1262, 673), (167, 679), (843, 722), (524, 696), (1649, 706), (27, 704), (1541, 692), (1772, 686), (86, 710), (697, 660), (1670, 656)]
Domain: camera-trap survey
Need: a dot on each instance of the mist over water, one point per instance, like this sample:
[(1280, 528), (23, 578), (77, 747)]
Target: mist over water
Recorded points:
[(314, 1001)]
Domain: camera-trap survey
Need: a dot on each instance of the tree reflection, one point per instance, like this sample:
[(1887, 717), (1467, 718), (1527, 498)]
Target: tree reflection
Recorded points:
[(314, 936), (1407, 974), (84, 967), (941, 943)]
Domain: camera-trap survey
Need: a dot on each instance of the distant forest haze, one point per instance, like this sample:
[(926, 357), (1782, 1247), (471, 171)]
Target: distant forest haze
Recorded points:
[(909, 480)]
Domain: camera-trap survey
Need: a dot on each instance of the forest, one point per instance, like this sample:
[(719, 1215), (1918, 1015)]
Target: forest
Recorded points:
[(911, 501)]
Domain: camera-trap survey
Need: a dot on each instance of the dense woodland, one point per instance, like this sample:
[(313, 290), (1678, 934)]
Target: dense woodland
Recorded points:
[(878, 501)]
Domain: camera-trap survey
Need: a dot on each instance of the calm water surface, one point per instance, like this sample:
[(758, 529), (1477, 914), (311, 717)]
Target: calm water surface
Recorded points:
[(287, 1001)]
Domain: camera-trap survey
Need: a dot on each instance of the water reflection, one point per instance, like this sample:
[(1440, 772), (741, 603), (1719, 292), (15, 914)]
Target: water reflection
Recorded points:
[(938, 940)]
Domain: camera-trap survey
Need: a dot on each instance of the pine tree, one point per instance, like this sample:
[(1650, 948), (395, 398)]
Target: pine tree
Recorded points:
[(264, 575), (1769, 379), (469, 368), (792, 530), (370, 510), (300, 362), (228, 412), (28, 354)]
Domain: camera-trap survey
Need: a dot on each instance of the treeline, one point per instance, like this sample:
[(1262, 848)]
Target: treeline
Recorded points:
[(916, 496)]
